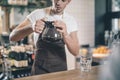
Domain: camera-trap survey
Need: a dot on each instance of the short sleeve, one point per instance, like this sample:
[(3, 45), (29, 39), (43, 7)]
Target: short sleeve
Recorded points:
[(35, 15), (74, 25), (71, 24)]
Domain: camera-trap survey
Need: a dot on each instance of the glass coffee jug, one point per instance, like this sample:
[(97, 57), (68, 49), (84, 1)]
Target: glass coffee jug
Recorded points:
[(50, 33)]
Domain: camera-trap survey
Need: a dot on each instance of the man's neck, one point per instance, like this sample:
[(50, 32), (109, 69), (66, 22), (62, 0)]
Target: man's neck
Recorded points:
[(55, 12)]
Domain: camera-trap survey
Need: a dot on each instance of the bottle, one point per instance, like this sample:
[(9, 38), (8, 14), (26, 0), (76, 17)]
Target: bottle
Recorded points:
[(24, 2), (110, 40), (106, 36), (1, 76)]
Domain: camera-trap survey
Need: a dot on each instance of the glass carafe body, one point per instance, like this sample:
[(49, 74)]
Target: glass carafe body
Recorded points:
[(50, 33)]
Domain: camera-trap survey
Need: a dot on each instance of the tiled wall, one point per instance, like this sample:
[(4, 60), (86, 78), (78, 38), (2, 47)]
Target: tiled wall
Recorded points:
[(83, 11)]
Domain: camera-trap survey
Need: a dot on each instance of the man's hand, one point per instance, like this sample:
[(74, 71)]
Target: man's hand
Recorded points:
[(39, 26), (61, 27)]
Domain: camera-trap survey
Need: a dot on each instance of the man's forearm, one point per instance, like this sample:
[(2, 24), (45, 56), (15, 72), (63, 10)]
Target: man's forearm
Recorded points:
[(73, 45), (18, 34)]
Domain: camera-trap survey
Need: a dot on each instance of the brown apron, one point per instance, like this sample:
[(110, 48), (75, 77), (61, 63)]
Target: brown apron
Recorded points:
[(50, 57)]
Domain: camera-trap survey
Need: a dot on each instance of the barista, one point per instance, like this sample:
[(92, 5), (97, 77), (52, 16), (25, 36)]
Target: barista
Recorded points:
[(50, 57)]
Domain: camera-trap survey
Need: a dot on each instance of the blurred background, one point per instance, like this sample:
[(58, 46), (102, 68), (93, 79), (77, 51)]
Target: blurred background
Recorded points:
[(97, 21)]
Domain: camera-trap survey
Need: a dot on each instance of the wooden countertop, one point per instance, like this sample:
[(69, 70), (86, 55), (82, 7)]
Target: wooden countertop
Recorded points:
[(66, 75)]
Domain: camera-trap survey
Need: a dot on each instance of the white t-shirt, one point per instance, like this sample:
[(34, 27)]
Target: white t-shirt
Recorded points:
[(41, 13)]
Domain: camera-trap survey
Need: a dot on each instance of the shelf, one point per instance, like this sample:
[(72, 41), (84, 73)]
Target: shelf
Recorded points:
[(17, 68), (31, 4), (19, 72)]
